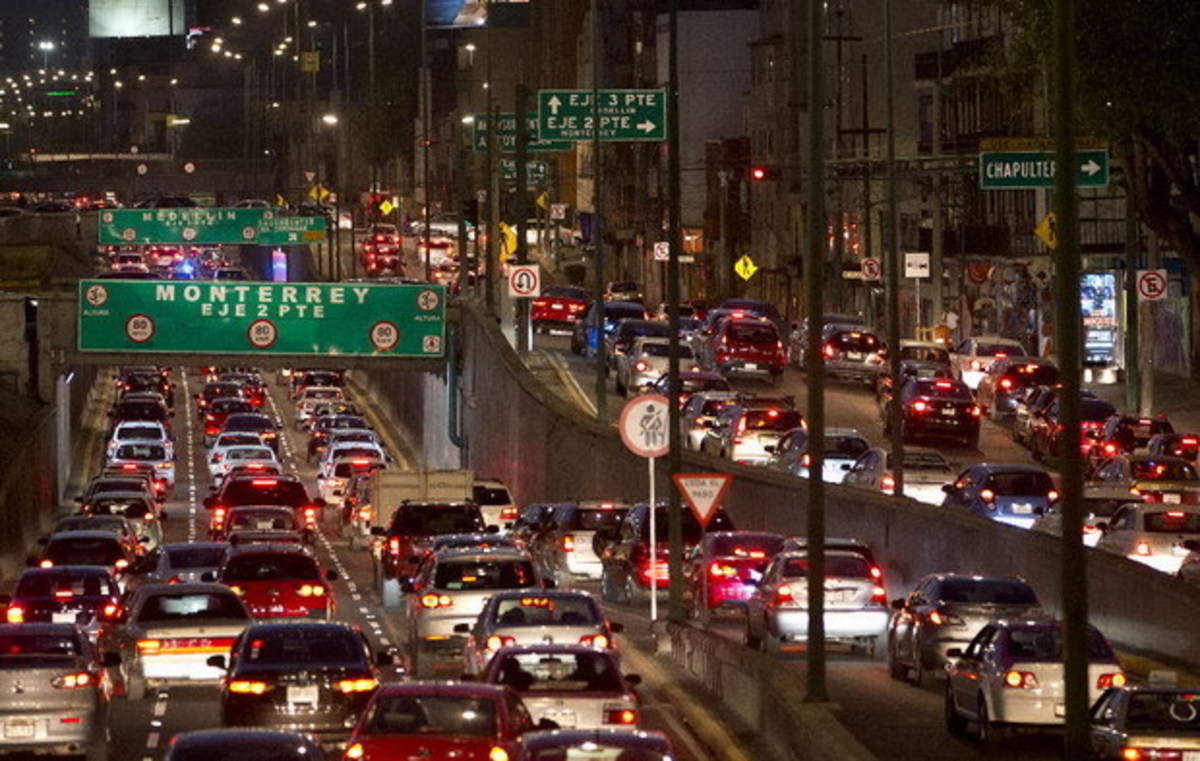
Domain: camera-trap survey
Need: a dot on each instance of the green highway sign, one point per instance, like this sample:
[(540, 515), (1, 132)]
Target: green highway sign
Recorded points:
[(308, 319), (1024, 170), (506, 134), (536, 172), (624, 115), (207, 226)]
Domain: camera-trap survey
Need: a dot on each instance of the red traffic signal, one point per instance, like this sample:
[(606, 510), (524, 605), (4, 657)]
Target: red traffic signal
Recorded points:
[(763, 173)]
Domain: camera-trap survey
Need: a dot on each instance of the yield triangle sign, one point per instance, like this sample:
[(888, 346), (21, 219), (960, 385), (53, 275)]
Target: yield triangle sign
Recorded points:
[(703, 492)]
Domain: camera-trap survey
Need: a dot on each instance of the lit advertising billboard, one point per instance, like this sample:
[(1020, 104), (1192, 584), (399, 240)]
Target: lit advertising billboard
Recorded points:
[(460, 13), (137, 18)]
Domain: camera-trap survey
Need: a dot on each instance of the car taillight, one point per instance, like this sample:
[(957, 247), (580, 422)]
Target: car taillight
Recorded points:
[(74, 680), (721, 571), (310, 515), (361, 684), (641, 366), (805, 460), (598, 641), (919, 405), (782, 596), (976, 410), (436, 601), (149, 646), (509, 513), (1142, 548), (568, 543), (623, 716), (1020, 679), (46, 564), (355, 751), (15, 614), (110, 612), (1113, 679), (938, 618), (495, 642), (364, 513), (218, 516), (829, 351), (879, 595), (311, 590), (248, 687), (989, 498), (1006, 384), (212, 429), (876, 572), (1052, 496), (1110, 448), (1151, 754), (497, 754), (121, 564), (394, 546), (888, 485)]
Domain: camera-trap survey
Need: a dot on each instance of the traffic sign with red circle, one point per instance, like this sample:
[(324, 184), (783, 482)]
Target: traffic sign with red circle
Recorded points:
[(870, 268), (1151, 285), (525, 281), (385, 335), (643, 425), (139, 328), (262, 334)]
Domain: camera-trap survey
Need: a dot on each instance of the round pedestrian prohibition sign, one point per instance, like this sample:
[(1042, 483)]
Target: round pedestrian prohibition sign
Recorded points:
[(385, 335), (139, 328), (262, 334)]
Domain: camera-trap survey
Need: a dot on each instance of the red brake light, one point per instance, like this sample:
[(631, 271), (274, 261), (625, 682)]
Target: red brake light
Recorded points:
[(1052, 496), (1142, 548), (436, 601), (568, 543), (1114, 679), (943, 384), (598, 641), (15, 614), (830, 351), (1020, 679), (63, 594), (888, 485), (988, 496), (878, 594), (1006, 384), (624, 716), (920, 405), (640, 366), (721, 570), (74, 680), (265, 482), (783, 596), (495, 642)]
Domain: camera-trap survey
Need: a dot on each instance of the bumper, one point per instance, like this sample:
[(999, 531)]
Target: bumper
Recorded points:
[(844, 625), (849, 369), (178, 669), (438, 631), (49, 731), (749, 367), (1027, 707), (592, 569)]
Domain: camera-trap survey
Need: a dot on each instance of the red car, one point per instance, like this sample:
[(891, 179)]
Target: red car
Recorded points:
[(217, 411), (464, 721), (558, 308), (726, 568), (747, 345), (279, 581), (381, 249)]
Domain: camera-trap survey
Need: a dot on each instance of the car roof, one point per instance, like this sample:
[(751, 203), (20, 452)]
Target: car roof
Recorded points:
[(185, 587), (481, 553), (77, 570), (270, 549)]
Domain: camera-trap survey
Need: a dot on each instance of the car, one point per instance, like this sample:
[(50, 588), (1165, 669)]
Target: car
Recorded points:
[(1027, 406), (1185, 445), (1045, 429), (926, 471), (439, 250), (91, 547), (575, 686), (303, 379), (621, 339), (259, 518), (1011, 674), (799, 333), (450, 587), (600, 320), (120, 482), (243, 744), (312, 396), (321, 427), (349, 450), (691, 382), (436, 720), (853, 353), (55, 698), (116, 524), (843, 446), (558, 307), (1145, 723), (381, 249), (756, 308), (564, 544), (1012, 494), (646, 361), (495, 503), (1153, 534), (749, 430), (137, 432), (334, 475), (745, 345), (973, 356), (286, 491), (942, 409), (517, 618), (218, 411), (1144, 477), (909, 368), (1006, 378), (180, 562), (151, 453), (409, 535), (166, 632), (214, 390), (279, 581), (140, 513), (254, 422), (532, 520), (281, 537), (1126, 434), (642, 745), (222, 459), (632, 567), (622, 290), (722, 571), (235, 439), (700, 412), (946, 610), (855, 604), (316, 678), (82, 595)]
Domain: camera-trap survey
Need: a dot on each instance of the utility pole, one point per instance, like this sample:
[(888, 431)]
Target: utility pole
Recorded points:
[(492, 182), (598, 223), (426, 104), (814, 283), (893, 256), (675, 243), (839, 216), (936, 250), (1133, 368), (521, 209)]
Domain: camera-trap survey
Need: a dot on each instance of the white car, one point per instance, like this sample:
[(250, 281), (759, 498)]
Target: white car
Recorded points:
[(926, 471), (312, 396), (333, 478), (221, 460), (236, 439), (495, 502), (1152, 533), (138, 431), (700, 413), (843, 447), (1012, 674), (646, 362), (973, 356), (153, 453), (341, 451)]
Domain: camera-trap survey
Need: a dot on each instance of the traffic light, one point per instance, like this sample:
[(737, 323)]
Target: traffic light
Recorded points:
[(760, 172)]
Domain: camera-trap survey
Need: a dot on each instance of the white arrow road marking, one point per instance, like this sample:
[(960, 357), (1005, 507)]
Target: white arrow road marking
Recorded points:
[(554, 104), (1091, 167)]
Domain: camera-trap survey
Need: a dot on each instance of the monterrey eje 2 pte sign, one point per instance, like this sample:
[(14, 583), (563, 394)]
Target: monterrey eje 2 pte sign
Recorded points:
[(311, 319)]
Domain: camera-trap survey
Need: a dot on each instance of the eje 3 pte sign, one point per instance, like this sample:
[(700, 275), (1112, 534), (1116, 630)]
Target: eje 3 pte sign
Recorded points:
[(309, 319)]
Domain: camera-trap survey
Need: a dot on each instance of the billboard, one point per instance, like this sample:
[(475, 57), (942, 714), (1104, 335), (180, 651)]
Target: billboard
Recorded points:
[(461, 13), (137, 18)]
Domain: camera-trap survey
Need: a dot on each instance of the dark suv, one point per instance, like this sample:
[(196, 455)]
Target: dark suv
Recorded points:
[(625, 551), (284, 491), (409, 536), (937, 408), (1006, 380)]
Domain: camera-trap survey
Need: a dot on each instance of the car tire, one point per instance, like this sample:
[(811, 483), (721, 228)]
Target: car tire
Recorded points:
[(956, 725), (918, 671), (135, 687), (896, 669), (752, 640), (607, 593), (389, 593), (985, 731)]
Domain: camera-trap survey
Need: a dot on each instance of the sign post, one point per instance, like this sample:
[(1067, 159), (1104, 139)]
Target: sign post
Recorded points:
[(643, 425)]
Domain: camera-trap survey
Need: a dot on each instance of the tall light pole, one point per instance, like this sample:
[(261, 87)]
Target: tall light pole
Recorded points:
[(46, 46)]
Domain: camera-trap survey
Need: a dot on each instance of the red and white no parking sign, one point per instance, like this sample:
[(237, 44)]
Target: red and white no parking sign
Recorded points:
[(1151, 285)]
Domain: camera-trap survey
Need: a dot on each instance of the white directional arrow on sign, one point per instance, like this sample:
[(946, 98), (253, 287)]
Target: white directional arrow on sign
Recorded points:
[(1091, 167), (647, 127), (554, 104)]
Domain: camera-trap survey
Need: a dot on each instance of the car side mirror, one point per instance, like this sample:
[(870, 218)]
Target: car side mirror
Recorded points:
[(769, 449), (208, 576), (1102, 525), (216, 661), (110, 660), (616, 628), (462, 628), (546, 724), (898, 603), (633, 680), (954, 652)]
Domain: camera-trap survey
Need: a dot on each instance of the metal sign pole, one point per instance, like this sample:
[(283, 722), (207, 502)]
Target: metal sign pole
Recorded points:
[(653, 544)]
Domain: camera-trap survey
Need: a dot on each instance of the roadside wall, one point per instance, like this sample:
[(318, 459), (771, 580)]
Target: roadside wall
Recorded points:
[(27, 485)]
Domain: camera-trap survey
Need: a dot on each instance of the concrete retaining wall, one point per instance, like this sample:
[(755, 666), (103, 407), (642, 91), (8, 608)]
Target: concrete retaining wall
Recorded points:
[(27, 485)]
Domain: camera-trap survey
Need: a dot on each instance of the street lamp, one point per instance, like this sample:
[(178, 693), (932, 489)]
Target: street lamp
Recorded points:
[(45, 46)]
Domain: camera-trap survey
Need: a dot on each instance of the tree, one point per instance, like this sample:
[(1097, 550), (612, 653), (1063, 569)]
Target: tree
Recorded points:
[(1138, 65)]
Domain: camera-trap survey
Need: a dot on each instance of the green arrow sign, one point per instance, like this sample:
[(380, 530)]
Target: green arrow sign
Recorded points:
[(1017, 170), (535, 172), (506, 135), (262, 318), (207, 226), (624, 115)]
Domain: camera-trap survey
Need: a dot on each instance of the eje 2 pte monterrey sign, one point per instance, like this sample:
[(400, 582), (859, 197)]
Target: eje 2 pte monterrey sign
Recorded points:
[(1024, 170), (623, 115), (207, 227), (308, 319)]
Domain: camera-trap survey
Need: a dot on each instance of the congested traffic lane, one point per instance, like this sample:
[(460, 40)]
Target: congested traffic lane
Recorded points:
[(142, 729)]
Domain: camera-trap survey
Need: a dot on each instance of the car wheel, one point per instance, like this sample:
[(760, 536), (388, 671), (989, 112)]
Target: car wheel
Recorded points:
[(896, 669), (608, 589), (135, 687), (917, 673), (389, 593), (984, 729), (752, 640), (956, 725)]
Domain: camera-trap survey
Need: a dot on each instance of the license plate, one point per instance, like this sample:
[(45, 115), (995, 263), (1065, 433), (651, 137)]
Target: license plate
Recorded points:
[(63, 618), (948, 412), (1172, 499), (856, 355), (840, 595), (556, 306), (751, 366), (17, 728), (297, 695), (564, 720), (1022, 509)]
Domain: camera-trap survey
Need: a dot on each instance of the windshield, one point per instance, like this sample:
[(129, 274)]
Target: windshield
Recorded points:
[(270, 567), (1158, 470), (987, 592), (1045, 644), (1172, 522), (943, 389), (773, 420), (439, 519), (592, 671), (434, 715), (845, 446), (540, 611), (484, 574), (84, 551), (1163, 713), (1020, 484), (192, 607), (753, 333), (324, 646)]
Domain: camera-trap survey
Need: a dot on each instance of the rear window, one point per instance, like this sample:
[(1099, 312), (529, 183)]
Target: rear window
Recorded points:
[(250, 453), (713, 406), (38, 644), (1045, 644), (249, 423), (1163, 713), (692, 530), (304, 645), (84, 551), (594, 520), (1172, 522), (773, 420), (613, 313), (141, 452), (133, 509), (266, 491), (987, 592), (540, 611), (140, 411), (943, 389), (561, 672), (49, 584), (925, 354), (1020, 484), (227, 406), (195, 557), (695, 385), (192, 607), (434, 714), (992, 350), (483, 574), (135, 432), (347, 469), (488, 495), (321, 379), (747, 546), (1158, 470), (844, 566), (753, 333), (270, 567), (262, 521), (1032, 374), (856, 341), (442, 519), (664, 350), (564, 292), (845, 446)]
